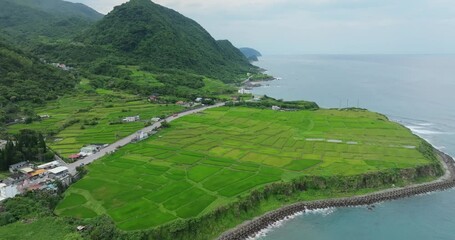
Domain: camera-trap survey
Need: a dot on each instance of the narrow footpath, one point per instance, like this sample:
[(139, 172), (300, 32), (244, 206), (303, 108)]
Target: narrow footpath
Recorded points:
[(124, 141)]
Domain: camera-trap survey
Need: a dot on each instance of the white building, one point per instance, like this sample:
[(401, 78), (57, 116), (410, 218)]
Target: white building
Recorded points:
[(17, 166), (244, 91), (88, 150), (52, 164), (58, 172), (156, 119), (132, 119), (7, 191), (276, 108)]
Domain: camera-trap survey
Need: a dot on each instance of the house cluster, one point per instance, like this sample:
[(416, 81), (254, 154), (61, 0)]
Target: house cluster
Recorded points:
[(26, 176), (61, 66), (131, 119)]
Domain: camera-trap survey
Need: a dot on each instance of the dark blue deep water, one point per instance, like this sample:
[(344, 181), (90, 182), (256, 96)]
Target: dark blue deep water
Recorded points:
[(417, 91)]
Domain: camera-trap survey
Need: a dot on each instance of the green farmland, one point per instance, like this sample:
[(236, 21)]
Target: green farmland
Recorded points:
[(85, 119), (209, 159)]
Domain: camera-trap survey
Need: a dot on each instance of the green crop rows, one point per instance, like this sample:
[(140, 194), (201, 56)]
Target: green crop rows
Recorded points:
[(207, 160), (103, 108)]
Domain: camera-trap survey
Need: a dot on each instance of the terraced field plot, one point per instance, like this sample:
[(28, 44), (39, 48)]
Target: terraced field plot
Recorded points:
[(103, 108), (209, 159)]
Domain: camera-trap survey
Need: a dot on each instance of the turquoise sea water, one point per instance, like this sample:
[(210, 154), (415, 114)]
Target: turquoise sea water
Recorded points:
[(416, 90)]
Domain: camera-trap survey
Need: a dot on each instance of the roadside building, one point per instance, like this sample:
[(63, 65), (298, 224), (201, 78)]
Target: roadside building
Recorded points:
[(49, 165), (199, 99), (74, 157), (13, 168), (132, 119), (58, 172), (89, 150), (156, 119)]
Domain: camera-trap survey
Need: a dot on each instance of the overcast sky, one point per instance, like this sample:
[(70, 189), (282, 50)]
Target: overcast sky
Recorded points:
[(321, 26)]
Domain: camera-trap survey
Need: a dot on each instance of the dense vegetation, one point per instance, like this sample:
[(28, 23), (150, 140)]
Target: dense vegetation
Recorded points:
[(28, 145), (32, 21), (24, 80), (268, 102), (141, 32)]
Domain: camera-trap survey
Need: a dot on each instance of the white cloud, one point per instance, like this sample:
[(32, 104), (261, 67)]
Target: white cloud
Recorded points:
[(321, 26)]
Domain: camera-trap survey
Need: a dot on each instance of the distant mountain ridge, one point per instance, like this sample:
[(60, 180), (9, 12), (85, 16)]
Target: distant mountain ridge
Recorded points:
[(250, 53)]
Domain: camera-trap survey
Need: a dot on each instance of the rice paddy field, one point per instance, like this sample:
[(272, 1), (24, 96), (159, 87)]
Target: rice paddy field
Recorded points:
[(209, 159), (102, 108)]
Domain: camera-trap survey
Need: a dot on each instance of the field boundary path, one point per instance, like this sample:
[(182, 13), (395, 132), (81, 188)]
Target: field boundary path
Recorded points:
[(126, 140), (251, 228)]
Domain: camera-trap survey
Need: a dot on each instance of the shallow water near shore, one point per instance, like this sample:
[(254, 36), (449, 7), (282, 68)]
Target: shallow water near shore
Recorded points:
[(417, 91)]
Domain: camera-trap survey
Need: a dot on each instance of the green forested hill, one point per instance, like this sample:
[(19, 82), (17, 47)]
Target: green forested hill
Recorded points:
[(24, 79), (31, 21), (151, 35)]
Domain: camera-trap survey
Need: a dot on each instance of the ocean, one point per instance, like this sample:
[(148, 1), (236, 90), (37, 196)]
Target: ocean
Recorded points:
[(414, 90)]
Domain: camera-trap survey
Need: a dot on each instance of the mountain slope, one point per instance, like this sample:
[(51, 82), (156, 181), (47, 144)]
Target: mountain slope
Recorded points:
[(32, 20), (24, 79), (149, 34)]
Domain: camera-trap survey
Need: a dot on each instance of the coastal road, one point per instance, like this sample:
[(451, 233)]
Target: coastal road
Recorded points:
[(124, 141)]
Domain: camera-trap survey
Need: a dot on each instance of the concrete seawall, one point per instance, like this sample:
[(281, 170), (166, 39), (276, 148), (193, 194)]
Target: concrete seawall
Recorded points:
[(250, 228)]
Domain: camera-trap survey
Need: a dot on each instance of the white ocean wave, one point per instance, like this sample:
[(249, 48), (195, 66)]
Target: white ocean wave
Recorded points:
[(263, 233)]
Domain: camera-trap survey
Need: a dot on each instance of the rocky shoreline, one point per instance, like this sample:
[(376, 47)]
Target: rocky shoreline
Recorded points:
[(251, 228)]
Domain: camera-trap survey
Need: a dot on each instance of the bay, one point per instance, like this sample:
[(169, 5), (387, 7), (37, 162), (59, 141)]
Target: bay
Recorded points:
[(414, 90)]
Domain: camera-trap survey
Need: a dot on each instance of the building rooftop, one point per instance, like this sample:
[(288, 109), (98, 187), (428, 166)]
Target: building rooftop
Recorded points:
[(49, 164), (26, 170), (58, 170), (37, 172)]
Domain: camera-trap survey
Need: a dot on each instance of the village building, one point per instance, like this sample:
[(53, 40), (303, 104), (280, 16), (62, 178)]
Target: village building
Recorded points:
[(26, 170), (199, 99), (155, 119), (38, 173), (58, 172), (244, 91), (89, 150), (44, 116), (7, 191), (13, 168), (154, 97), (48, 165), (132, 119), (74, 157), (276, 108)]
